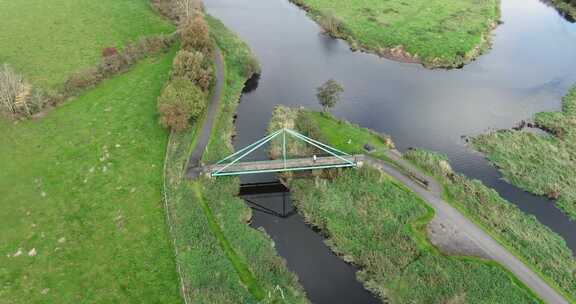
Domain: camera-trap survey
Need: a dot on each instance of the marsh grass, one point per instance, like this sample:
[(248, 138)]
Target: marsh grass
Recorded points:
[(375, 222), (544, 165), (378, 224), (539, 247)]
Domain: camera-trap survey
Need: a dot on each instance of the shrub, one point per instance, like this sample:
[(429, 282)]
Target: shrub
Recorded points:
[(112, 63), (177, 9), (251, 67), (331, 24), (195, 35), (328, 94), (15, 93), (166, 8), (306, 125), (193, 66), (82, 80), (154, 45), (180, 101), (109, 51)]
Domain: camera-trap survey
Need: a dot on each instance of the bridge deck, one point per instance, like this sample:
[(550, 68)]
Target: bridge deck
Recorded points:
[(281, 166)]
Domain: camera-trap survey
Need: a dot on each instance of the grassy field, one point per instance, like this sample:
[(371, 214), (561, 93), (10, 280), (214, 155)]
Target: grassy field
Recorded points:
[(539, 247), (544, 165), (82, 219), (379, 224), (438, 33), (46, 40), (223, 259)]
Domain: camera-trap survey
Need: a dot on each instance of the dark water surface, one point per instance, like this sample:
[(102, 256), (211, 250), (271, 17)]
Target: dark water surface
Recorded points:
[(531, 66), (325, 277)]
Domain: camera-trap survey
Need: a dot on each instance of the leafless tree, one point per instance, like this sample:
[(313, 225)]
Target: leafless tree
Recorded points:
[(14, 92), (186, 8)]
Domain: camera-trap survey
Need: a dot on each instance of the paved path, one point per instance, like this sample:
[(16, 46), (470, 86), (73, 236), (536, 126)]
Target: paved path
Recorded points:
[(194, 161), (296, 164), (480, 239)]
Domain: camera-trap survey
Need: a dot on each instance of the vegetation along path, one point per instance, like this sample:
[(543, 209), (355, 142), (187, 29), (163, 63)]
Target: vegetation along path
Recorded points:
[(196, 155), (449, 216)]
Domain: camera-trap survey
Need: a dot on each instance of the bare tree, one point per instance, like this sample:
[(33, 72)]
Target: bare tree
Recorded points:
[(14, 92), (186, 8)]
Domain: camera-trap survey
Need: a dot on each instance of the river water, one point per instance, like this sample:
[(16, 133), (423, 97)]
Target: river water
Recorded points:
[(530, 67)]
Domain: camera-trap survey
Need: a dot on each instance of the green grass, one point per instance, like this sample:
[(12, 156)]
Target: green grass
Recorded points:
[(346, 136), (544, 165), (83, 187), (46, 40), (377, 223), (223, 259), (441, 33), (239, 265), (540, 248)]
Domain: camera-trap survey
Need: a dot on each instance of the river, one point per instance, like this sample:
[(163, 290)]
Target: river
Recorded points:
[(530, 67)]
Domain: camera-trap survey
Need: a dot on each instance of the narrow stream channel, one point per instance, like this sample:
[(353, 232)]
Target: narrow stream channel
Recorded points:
[(325, 277), (531, 66)]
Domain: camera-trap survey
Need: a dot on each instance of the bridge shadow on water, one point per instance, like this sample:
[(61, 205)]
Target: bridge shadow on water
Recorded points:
[(325, 277)]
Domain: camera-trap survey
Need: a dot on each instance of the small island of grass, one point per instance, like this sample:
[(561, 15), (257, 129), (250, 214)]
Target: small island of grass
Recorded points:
[(438, 33), (544, 165)]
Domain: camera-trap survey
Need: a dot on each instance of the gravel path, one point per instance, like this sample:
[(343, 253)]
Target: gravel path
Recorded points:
[(453, 231), (194, 165)]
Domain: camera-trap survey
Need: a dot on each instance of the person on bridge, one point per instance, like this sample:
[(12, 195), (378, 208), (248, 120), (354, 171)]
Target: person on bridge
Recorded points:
[(314, 158)]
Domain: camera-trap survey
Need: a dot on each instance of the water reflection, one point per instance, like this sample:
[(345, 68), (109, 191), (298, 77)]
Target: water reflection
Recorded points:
[(251, 84), (562, 13), (529, 68)]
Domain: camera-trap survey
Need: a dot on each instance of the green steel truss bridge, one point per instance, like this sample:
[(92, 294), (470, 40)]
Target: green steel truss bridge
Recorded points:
[(233, 164)]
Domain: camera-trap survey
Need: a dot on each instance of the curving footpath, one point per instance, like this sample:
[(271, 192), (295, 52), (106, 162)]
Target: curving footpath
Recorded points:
[(447, 214), (194, 166)]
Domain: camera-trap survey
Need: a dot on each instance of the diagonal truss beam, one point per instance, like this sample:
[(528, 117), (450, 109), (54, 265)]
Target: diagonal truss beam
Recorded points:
[(239, 155), (319, 145)]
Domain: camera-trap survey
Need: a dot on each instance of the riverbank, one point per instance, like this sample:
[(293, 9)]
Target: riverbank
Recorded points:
[(437, 34), (536, 245), (222, 259), (566, 7), (541, 164), (349, 208)]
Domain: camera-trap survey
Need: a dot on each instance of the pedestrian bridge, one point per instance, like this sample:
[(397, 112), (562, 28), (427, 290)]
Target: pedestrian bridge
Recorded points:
[(233, 164)]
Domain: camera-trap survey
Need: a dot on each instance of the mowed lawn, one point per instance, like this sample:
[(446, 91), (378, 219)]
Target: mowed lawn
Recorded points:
[(440, 32), (80, 193), (46, 40)]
